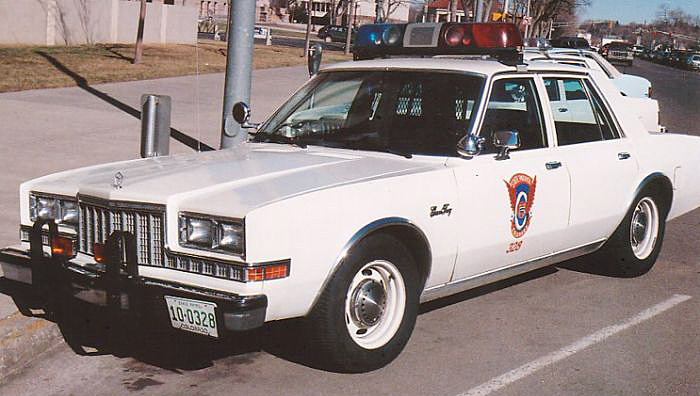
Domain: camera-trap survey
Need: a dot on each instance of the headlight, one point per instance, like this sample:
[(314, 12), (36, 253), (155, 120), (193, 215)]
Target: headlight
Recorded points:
[(61, 210), (209, 233)]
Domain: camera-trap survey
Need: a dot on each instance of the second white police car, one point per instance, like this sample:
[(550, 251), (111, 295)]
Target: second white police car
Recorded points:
[(380, 184)]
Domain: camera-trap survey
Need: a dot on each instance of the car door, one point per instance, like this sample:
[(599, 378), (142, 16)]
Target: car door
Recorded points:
[(600, 161), (514, 208)]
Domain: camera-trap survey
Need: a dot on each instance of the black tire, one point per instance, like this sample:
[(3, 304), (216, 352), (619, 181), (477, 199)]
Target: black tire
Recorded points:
[(632, 252), (332, 317)]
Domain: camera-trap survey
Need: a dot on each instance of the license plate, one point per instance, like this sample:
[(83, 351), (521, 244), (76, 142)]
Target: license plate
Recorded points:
[(192, 315)]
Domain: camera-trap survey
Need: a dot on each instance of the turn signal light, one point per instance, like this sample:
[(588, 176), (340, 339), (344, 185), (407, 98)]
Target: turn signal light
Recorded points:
[(270, 271), (99, 250), (61, 246)]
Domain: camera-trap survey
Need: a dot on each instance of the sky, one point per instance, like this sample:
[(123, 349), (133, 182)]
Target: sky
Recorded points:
[(639, 11)]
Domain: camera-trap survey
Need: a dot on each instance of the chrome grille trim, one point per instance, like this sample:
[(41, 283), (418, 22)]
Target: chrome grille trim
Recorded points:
[(99, 218), (206, 267)]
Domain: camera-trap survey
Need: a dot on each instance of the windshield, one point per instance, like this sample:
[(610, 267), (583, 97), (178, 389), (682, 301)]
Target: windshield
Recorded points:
[(407, 112)]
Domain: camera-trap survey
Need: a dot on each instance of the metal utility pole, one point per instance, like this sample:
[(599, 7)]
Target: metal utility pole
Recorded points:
[(378, 11), (239, 66), (331, 13), (308, 27), (453, 10), (351, 9), (477, 10), (139, 34)]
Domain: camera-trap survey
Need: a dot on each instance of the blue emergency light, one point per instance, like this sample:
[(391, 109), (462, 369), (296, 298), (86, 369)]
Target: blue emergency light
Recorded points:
[(500, 40)]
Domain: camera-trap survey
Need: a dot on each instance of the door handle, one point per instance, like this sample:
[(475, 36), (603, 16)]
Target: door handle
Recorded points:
[(623, 156), (563, 109), (552, 165)]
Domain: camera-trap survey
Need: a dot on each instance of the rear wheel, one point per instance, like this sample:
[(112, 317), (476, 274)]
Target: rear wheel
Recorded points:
[(633, 248), (366, 314)]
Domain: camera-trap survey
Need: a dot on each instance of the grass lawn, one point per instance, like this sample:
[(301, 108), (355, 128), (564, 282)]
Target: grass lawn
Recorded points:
[(24, 67)]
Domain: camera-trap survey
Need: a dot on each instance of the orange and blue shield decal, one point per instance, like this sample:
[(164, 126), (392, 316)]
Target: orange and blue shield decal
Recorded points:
[(521, 190)]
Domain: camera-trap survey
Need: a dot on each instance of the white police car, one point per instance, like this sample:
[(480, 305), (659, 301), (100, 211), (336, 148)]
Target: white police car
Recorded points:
[(380, 184)]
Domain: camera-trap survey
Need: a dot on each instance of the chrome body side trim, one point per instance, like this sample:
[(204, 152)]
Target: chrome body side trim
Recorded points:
[(490, 277), (361, 234)]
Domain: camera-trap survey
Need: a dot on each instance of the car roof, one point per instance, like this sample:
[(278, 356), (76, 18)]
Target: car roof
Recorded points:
[(485, 67)]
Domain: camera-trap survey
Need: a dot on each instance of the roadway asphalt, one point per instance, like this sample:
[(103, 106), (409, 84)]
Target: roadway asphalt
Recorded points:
[(564, 330)]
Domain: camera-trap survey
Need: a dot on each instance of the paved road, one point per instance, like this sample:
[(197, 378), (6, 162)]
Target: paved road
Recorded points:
[(559, 331)]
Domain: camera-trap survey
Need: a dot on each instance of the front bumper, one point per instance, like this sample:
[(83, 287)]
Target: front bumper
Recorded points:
[(120, 288)]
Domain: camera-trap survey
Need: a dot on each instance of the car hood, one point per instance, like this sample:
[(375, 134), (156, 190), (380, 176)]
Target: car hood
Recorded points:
[(245, 177)]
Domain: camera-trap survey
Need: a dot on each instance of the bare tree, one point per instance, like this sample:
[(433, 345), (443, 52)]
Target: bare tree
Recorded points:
[(85, 18), (544, 12), (139, 34)]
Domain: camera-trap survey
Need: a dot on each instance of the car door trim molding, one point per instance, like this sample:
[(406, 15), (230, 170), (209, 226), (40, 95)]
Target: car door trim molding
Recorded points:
[(461, 285)]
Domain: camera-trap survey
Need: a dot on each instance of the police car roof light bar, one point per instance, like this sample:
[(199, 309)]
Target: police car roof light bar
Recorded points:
[(500, 40)]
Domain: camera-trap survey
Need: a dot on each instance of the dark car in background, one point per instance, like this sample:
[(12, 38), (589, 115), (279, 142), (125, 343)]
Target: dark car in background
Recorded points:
[(570, 42), (334, 33)]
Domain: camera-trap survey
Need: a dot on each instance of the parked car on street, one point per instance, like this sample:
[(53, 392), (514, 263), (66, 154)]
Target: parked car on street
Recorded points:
[(380, 184), (635, 89), (334, 33), (618, 52), (692, 61), (570, 42)]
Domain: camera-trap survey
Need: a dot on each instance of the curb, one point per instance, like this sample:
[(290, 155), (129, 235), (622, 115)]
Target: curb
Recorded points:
[(22, 338)]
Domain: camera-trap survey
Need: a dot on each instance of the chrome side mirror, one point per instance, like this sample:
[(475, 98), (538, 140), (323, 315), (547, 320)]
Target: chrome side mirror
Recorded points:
[(470, 146), (241, 113), (314, 59), (506, 140)]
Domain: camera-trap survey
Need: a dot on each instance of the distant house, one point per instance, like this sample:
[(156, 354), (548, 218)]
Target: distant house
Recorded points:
[(439, 11), (218, 9)]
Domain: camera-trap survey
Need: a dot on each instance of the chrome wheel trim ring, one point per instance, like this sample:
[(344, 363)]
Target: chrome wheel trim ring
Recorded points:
[(644, 228), (375, 304)]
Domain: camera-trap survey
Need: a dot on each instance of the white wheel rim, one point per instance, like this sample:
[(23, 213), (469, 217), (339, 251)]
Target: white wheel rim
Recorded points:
[(644, 228), (375, 304)]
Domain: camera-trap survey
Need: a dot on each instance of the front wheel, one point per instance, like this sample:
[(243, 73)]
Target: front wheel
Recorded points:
[(633, 248), (366, 314)]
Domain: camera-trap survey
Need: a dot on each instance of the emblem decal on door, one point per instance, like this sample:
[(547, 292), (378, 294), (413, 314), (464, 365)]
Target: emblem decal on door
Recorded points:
[(521, 189)]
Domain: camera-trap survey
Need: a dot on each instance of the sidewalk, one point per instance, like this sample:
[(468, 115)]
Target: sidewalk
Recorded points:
[(49, 130)]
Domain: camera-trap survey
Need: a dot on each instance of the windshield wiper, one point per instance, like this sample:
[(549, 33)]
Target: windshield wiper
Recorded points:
[(403, 153), (275, 138)]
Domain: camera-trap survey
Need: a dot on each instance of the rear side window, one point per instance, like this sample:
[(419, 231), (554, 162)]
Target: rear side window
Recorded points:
[(581, 116)]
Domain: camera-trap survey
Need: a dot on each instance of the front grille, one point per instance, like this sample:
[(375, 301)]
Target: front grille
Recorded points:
[(207, 267), (98, 219)]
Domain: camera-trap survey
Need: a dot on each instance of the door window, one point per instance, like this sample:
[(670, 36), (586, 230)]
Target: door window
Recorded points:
[(513, 105)]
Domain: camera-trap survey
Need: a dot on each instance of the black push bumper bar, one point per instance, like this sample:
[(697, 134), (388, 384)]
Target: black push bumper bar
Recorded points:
[(120, 288)]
